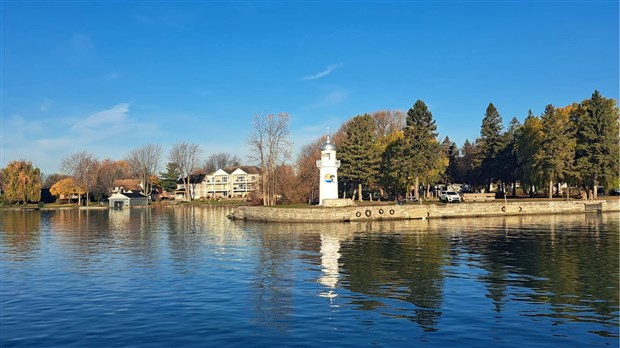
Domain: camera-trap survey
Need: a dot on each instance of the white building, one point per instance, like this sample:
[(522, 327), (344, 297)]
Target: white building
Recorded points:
[(328, 168), (229, 182)]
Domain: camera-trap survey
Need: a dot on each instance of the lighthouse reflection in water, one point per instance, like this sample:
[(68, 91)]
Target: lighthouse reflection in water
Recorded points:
[(330, 254)]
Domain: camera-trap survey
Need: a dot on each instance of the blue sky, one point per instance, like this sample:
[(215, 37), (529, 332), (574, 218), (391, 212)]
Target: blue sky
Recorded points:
[(107, 77)]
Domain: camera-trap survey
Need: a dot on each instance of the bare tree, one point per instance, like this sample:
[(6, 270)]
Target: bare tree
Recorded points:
[(143, 163), (388, 121), (48, 180), (186, 157), (82, 167), (110, 170), (307, 171), (269, 147), (220, 160)]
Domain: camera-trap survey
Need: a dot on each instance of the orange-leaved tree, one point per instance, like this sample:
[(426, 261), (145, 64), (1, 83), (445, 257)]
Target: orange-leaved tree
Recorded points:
[(66, 188)]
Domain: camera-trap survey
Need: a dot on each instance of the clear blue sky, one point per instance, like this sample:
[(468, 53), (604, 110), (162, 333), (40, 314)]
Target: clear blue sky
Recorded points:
[(107, 77)]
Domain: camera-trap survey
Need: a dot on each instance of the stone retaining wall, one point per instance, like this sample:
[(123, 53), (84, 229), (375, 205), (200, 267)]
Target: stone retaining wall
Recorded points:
[(404, 212)]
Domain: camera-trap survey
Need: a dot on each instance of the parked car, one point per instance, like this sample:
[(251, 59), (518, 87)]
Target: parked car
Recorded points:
[(450, 196)]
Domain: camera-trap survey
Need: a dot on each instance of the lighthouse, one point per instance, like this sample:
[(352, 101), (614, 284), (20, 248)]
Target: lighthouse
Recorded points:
[(328, 167)]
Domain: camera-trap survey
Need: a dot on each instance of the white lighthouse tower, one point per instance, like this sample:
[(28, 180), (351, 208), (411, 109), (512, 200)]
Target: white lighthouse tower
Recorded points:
[(328, 166)]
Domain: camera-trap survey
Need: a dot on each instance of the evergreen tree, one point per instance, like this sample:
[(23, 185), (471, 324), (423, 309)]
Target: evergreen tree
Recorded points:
[(555, 156), (597, 141), (418, 152), (507, 158), (168, 180), (451, 152), (359, 160), (491, 143), (469, 163)]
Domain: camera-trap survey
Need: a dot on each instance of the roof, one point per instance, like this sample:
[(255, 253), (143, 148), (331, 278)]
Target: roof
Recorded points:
[(132, 194), (193, 179), (328, 146), (127, 184), (246, 169)]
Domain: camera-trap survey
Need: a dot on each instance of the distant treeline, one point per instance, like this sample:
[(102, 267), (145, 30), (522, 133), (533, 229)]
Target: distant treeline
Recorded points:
[(392, 152), (386, 151)]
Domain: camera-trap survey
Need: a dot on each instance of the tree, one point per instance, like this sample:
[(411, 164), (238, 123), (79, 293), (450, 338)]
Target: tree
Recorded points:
[(143, 163), (491, 144), (557, 150), (469, 163), (109, 170), (269, 147), (451, 152), (508, 171), (388, 122), (186, 157), (307, 171), (528, 143), (21, 182), (168, 180), (418, 153), (67, 188), (359, 158), (597, 141), (220, 160), (50, 179), (82, 167)]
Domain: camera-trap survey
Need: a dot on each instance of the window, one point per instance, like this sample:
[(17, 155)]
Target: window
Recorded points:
[(224, 179)]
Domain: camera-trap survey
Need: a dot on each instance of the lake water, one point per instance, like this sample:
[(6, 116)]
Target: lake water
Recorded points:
[(189, 277)]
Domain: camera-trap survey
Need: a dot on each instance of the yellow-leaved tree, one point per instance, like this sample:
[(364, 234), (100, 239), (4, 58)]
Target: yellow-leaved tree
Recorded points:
[(21, 182), (66, 189)]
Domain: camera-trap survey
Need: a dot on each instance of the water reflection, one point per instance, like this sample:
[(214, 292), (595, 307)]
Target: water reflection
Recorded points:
[(20, 232), (330, 247), (429, 274)]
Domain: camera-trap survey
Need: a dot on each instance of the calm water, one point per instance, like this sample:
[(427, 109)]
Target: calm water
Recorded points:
[(189, 277)]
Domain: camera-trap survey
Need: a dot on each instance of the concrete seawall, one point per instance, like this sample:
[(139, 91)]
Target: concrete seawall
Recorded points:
[(407, 212)]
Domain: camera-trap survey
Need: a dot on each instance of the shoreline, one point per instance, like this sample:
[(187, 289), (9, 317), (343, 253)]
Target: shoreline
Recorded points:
[(420, 212)]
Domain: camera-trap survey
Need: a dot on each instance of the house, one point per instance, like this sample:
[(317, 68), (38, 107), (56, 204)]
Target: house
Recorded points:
[(135, 185), (228, 182), (195, 181), (125, 185), (128, 199)]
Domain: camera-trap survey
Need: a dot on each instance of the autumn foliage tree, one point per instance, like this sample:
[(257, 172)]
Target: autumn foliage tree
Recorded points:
[(67, 188), (21, 182)]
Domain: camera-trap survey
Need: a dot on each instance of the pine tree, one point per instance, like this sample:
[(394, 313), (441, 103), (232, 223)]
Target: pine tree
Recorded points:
[(451, 152), (597, 139), (169, 178), (491, 144), (418, 152), (507, 158), (358, 157)]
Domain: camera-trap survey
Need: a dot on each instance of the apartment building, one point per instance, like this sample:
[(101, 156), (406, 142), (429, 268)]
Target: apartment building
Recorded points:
[(229, 182)]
